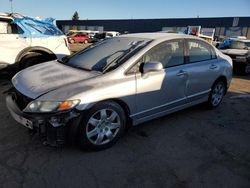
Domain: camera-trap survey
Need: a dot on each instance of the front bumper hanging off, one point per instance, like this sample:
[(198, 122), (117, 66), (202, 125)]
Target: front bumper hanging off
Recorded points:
[(52, 127)]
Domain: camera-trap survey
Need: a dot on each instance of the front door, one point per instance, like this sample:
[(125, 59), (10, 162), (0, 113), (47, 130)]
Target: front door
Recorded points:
[(161, 91)]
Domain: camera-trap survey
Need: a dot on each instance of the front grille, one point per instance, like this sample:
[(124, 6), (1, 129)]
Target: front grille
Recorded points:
[(21, 100)]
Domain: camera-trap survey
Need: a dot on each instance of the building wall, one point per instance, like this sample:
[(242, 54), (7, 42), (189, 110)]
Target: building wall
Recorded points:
[(228, 26)]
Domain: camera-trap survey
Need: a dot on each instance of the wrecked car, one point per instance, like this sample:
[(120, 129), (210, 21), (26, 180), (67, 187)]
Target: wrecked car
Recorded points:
[(239, 50), (26, 41), (92, 96)]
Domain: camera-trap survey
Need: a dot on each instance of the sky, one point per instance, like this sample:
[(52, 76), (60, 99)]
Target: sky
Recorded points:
[(128, 9)]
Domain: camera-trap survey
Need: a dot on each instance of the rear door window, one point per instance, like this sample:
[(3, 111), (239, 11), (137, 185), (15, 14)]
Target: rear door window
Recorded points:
[(7, 27), (200, 51)]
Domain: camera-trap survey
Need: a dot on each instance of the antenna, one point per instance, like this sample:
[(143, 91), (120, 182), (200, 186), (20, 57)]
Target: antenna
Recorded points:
[(11, 6)]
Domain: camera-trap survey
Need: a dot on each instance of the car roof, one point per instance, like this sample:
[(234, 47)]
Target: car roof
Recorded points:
[(10, 15), (159, 36)]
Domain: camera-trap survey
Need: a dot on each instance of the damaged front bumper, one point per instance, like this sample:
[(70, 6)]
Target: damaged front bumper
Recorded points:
[(52, 127)]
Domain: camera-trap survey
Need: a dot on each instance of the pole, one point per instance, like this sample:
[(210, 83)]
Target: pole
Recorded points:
[(11, 6)]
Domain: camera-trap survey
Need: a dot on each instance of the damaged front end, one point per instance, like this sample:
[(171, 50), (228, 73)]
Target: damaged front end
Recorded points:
[(52, 127)]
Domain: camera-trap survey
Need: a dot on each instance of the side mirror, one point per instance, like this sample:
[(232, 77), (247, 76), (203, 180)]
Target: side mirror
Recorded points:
[(151, 66)]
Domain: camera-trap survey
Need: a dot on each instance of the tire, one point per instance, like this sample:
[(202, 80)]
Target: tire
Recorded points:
[(31, 59), (241, 69), (247, 69), (85, 41), (34, 58), (216, 94), (102, 126)]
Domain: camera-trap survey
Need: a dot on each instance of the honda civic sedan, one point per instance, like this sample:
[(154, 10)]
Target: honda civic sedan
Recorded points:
[(92, 96)]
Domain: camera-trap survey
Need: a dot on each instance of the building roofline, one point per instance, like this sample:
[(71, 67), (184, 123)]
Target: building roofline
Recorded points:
[(142, 19)]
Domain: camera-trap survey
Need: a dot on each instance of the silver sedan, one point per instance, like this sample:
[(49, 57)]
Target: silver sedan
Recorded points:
[(93, 95)]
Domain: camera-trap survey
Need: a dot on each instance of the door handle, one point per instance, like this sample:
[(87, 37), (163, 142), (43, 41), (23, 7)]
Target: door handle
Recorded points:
[(181, 73), (213, 66)]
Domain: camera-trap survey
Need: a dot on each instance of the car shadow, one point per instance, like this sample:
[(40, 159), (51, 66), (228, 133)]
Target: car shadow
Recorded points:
[(245, 77), (5, 77)]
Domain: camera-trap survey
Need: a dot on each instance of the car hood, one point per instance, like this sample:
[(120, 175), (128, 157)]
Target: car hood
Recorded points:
[(38, 80), (235, 52)]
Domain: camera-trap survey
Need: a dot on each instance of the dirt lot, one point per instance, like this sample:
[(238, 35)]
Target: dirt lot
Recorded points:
[(76, 47), (192, 148)]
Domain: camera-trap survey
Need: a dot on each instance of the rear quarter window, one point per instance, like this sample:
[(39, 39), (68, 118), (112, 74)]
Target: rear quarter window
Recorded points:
[(9, 28)]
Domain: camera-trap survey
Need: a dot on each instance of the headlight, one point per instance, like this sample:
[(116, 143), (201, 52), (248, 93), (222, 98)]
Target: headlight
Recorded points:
[(50, 106)]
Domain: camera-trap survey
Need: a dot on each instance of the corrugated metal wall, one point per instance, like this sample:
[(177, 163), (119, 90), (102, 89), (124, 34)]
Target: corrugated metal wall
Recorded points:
[(224, 26)]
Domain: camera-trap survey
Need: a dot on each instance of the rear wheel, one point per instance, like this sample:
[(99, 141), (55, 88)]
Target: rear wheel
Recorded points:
[(247, 69), (85, 41), (217, 93), (102, 126), (71, 41), (34, 59)]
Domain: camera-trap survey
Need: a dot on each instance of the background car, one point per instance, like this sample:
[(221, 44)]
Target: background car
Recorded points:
[(26, 41), (239, 50), (78, 37), (94, 95)]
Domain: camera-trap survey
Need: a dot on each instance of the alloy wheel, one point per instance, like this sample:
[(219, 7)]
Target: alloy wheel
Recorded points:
[(103, 126), (217, 94)]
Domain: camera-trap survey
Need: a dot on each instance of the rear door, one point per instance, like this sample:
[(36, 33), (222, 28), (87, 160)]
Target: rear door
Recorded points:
[(12, 41), (202, 69)]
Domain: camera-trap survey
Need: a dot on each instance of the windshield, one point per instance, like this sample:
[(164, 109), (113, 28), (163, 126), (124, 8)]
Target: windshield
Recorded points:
[(231, 44), (239, 45), (43, 29), (106, 54)]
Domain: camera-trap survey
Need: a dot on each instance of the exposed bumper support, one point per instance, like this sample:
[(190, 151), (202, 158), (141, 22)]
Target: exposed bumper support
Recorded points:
[(51, 127)]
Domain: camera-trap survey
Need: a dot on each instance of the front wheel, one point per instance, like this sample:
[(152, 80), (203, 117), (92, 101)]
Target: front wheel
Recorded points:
[(33, 59), (217, 93), (102, 126)]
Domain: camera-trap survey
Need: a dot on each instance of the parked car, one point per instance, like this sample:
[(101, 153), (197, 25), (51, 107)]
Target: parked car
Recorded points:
[(26, 41), (90, 33), (103, 35), (239, 50), (95, 94), (78, 37), (71, 32), (112, 33)]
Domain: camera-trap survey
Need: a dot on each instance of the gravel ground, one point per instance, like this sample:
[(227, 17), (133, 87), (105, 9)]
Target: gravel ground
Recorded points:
[(77, 47), (191, 148)]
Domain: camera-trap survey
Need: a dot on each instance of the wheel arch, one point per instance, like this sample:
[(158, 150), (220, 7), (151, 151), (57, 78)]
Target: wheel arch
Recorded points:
[(36, 49), (121, 103), (224, 79)]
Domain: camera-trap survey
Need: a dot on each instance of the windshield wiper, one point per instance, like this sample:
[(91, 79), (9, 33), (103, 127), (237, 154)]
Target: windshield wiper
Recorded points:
[(64, 60), (124, 53), (79, 67)]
